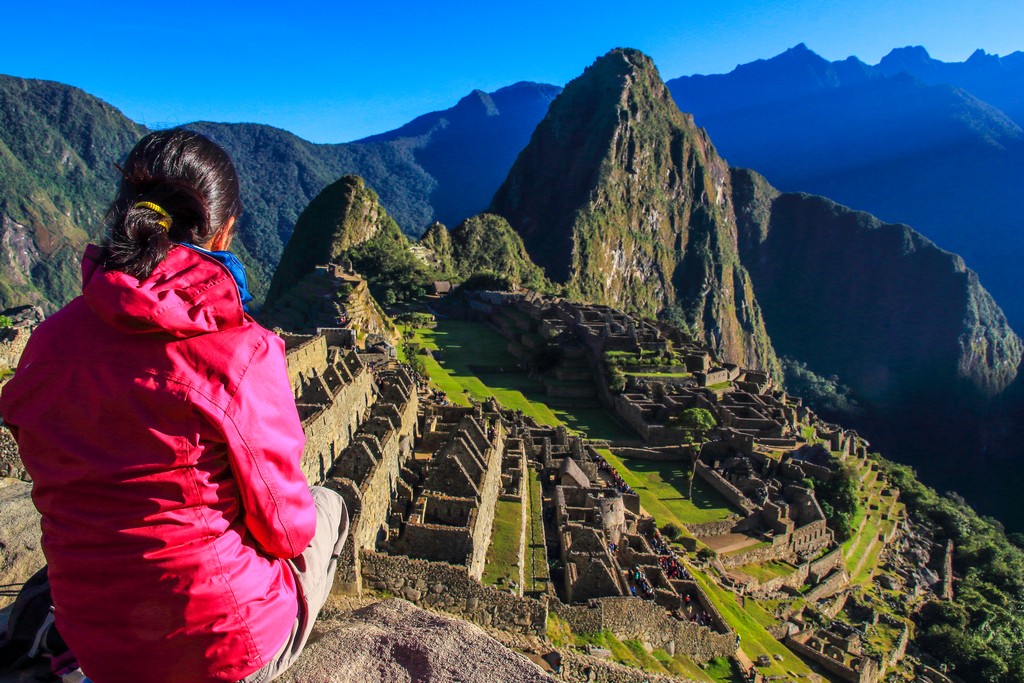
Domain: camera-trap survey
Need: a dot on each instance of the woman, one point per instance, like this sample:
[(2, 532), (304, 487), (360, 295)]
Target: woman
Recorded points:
[(157, 422)]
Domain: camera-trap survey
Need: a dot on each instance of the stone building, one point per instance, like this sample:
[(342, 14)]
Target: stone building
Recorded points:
[(450, 514)]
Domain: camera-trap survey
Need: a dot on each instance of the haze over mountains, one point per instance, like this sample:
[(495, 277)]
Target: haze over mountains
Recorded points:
[(912, 140)]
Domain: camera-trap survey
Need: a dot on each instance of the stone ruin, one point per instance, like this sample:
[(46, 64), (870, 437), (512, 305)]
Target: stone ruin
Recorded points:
[(445, 508), (331, 296)]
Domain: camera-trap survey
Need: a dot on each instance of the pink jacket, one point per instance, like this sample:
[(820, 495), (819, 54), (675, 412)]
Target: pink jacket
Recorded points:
[(158, 425)]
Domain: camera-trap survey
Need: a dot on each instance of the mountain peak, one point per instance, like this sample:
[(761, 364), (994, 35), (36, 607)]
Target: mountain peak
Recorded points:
[(345, 214), (477, 102), (904, 58), (979, 56), (624, 200)]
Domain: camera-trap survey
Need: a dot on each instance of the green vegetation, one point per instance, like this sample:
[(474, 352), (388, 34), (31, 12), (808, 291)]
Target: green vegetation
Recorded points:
[(662, 487), (632, 653), (464, 346), (57, 148), (559, 632), (979, 633), (749, 623), (825, 395), (5, 322), (390, 268), (696, 422), (484, 244), (838, 499), (682, 666), (766, 571), (503, 554), (722, 670)]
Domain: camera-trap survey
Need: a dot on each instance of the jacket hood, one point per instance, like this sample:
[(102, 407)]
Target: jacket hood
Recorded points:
[(188, 293)]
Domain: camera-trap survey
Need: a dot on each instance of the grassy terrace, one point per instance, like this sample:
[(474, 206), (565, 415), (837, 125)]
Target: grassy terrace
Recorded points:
[(464, 344), (662, 487), (861, 551), (506, 537), (767, 571), (536, 569), (750, 622), (632, 653)]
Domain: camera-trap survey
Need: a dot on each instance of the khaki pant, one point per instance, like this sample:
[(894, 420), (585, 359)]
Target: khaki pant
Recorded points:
[(314, 573)]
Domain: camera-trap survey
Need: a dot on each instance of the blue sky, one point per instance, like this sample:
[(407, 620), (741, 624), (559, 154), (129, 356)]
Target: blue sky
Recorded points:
[(333, 72)]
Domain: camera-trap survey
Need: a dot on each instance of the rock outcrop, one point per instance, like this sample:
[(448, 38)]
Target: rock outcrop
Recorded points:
[(622, 198), (485, 243), (396, 642), (346, 214), (21, 554)]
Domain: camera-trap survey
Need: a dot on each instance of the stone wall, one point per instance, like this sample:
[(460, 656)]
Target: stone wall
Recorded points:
[(489, 492), (712, 528), (306, 356), (793, 581), (440, 543), (450, 588), (836, 581), (629, 617), (728, 491), (823, 566), (577, 667), (12, 345), (811, 538), (659, 454), (368, 493), (868, 673), (331, 428)]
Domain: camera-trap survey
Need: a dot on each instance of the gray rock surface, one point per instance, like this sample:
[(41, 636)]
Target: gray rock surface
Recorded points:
[(396, 642), (21, 554)]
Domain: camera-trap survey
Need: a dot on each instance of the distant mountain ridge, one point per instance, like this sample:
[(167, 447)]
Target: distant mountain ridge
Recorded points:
[(58, 145), (909, 140), (469, 148)]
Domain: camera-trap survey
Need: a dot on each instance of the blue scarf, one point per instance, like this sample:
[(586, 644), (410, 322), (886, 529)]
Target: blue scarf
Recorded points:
[(234, 266)]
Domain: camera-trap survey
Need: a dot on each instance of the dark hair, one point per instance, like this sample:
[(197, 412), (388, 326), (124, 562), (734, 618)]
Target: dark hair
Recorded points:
[(185, 174)]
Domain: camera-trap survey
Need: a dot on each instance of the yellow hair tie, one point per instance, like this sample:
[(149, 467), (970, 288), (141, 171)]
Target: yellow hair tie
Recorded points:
[(164, 222)]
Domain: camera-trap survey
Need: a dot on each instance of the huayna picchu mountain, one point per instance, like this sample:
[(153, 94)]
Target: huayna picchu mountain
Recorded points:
[(344, 215), (621, 198)]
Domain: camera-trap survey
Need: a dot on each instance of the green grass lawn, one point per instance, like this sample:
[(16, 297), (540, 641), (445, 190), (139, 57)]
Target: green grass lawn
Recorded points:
[(721, 670), (663, 486), (766, 571), (750, 624), (464, 344), (660, 374), (870, 564), (682, 666), (503, 554)]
